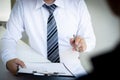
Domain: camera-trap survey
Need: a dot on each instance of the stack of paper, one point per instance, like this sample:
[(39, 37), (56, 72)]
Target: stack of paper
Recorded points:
[(49, 69)]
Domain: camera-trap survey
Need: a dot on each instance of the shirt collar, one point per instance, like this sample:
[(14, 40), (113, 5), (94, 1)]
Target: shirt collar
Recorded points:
[(59, 3)]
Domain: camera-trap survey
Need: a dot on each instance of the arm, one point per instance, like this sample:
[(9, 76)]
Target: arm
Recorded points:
[(12, 35), (85, 39)]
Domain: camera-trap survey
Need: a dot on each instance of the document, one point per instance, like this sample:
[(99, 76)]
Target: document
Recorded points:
[(46, 69)]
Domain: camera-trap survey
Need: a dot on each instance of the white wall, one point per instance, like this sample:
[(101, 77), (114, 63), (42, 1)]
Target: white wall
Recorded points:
[(5, 8), (106, 26)]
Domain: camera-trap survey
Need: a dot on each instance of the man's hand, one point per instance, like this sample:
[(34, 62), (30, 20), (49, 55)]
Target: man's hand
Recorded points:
[(78, 44), (13, 64)]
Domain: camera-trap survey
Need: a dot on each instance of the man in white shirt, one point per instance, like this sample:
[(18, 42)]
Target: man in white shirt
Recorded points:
[(72, 18)]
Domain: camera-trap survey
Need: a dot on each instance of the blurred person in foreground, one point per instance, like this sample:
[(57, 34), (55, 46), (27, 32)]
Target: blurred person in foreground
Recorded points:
[(106, 66)]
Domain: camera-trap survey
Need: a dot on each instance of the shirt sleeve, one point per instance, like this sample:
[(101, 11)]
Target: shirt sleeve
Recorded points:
[(85, 26), (14, 29)]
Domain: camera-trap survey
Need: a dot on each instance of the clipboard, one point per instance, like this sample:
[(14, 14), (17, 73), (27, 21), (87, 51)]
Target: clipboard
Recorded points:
[(46, 69)]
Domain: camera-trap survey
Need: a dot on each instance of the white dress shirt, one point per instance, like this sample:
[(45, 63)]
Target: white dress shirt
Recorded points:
[(72, 18)]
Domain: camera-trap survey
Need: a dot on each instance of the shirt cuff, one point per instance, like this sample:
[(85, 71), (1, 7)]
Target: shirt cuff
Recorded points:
[(5, 56), (90, 45)]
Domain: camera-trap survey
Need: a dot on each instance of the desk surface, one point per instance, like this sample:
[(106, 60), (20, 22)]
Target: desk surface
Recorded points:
[(6, 75)]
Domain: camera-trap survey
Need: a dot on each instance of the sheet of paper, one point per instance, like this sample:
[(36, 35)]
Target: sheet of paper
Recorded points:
[(46, 68)]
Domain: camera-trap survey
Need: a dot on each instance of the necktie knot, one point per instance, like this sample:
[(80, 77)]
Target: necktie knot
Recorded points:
[(50, 8)]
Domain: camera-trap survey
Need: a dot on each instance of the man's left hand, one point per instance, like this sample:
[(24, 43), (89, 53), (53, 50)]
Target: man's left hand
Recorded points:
[(78, 44)]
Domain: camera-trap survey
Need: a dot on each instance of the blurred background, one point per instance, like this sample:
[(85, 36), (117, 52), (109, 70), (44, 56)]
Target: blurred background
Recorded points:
[(105, 24)]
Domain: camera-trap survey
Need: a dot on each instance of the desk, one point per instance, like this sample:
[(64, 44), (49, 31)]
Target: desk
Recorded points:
[(6, 75), (23, 50)]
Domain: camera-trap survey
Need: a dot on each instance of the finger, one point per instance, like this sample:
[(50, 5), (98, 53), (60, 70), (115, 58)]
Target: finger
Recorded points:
[(77, 41), (81, 49), (15, 68), (79, 44), (12, 67), (72, 41), (20, 63), (83, 45)]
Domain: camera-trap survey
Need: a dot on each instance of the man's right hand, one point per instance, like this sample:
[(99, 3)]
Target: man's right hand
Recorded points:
[(12, 65)]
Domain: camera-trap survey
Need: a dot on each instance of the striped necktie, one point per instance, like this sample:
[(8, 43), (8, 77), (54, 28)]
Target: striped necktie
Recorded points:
[(52, 36)]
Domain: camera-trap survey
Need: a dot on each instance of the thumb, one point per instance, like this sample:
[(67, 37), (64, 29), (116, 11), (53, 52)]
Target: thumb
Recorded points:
[(20, 63), (72, 41)]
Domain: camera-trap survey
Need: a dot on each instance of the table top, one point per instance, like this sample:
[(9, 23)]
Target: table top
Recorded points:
[(6, 75)]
